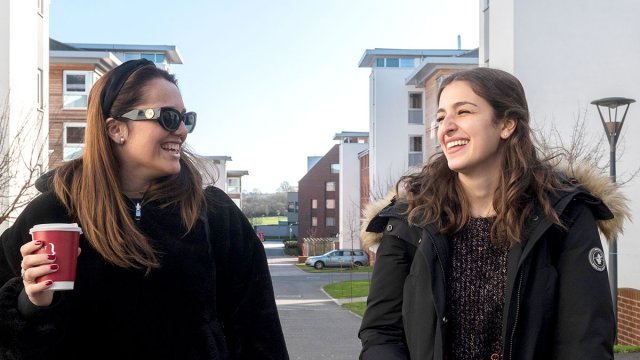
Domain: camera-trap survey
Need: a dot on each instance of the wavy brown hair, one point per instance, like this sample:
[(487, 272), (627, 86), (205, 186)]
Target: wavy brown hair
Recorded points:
[(435, 195), (90, 189)]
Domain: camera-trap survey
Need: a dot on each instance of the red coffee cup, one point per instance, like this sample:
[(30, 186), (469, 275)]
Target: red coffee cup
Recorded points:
[(62, 241)]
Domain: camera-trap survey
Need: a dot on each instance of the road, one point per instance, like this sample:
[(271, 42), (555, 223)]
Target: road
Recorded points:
[(315, 328)]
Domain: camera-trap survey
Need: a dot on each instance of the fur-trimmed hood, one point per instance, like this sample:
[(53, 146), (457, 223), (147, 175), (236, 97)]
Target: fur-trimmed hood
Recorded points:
[(585, 175)]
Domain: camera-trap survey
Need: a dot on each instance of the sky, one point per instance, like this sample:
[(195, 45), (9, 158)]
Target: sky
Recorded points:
[(272, 81)]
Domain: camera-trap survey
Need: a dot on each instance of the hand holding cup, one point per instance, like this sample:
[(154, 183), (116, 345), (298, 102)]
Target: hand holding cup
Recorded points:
[(49, 261)]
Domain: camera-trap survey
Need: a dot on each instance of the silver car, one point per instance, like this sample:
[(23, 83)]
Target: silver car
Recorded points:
[(339, 258)]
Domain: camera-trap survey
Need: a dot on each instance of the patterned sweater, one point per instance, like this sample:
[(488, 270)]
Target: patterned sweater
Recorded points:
[(475, 292)]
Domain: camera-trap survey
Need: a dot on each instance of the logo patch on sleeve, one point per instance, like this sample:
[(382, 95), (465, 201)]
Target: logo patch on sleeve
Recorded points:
[(596, 259)]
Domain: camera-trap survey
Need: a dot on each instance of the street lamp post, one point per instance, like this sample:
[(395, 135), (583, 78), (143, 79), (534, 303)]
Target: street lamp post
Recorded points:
[(612, 128)]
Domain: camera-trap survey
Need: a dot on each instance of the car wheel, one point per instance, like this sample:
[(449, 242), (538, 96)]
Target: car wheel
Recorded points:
[(357, 264), (319, 265)]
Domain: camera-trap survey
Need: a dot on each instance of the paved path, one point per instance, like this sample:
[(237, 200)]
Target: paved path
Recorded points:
[(314, 326)]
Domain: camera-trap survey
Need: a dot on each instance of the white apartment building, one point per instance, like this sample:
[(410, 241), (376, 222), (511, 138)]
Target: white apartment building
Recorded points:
[(396, 113), (567, 54), (24, 65), (351, 143)]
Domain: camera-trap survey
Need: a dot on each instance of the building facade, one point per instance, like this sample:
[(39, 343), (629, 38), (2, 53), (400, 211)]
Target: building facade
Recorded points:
[(565, 59), (351, 144), (318, 198), (24, 67)]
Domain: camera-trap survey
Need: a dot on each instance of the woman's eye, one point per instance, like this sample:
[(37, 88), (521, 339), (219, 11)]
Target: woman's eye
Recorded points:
[(463, 112), (439, 118)]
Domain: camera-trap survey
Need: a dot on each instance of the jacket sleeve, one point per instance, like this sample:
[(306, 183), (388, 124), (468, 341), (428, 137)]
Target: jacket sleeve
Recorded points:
[(246, 300), (586, 321), (22, 337), (382, 332)]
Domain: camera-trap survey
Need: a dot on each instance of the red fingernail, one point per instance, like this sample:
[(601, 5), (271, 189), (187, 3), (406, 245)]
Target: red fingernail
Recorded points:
[(48, 282), (51, 257), (38, 242), (54, 266)]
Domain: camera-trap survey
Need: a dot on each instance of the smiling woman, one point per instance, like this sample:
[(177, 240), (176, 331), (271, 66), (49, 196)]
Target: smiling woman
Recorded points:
[(490, 252), (159, 253)]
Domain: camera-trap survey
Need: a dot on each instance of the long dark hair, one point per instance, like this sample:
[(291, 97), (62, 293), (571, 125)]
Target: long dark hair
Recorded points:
[(435, 194), (89, 186)]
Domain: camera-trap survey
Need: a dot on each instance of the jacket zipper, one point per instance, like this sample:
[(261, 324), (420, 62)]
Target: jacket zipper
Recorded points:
[(515, 323)]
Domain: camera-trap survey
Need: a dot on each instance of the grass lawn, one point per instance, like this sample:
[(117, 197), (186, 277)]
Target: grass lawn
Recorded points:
[(267, 220), (332, 269), (348, 289), (626, 348), (357, 307)]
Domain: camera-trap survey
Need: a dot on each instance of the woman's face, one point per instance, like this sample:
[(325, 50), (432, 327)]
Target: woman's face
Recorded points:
[(150, 151), (467, 132)]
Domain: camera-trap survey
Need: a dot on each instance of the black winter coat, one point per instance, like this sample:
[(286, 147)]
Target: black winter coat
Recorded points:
[(211, 298), (557, 299)]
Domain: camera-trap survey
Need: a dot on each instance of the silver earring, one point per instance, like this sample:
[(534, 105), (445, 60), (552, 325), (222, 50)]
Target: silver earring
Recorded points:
[(121, 140)]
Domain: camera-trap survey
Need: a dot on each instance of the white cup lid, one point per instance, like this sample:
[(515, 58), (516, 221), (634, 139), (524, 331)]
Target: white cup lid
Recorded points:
[(56, 227)]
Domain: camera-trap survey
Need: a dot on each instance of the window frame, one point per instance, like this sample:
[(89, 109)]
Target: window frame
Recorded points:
[(330, 186), (65, 143), (326, 221), (88, 83), (413, 152), (330, 203)]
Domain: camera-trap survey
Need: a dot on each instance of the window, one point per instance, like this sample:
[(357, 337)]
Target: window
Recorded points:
[(233, 185), (73, 140), (154, 57), (380, 62), (292, 207), (76, 86), (415, 150), (314, 203), (314, 221), (330, 221), (415, 108), (40, 94), (335, 168), (393, 62), (330, 186), (433, 134), (407, 63), (331, 203)]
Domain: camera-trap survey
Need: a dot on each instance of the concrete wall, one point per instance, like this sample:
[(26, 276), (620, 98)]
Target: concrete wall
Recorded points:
[(389, 128), (24, 53), (349, 198), (568, 53)]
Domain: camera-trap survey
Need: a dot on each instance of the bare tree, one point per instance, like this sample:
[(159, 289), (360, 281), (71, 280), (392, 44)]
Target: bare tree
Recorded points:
[(22, 161), (579, 148), (285, 187)]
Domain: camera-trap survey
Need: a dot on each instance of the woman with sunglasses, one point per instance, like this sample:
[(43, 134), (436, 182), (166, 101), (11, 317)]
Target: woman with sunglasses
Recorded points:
[(167, 270), (491, 252)]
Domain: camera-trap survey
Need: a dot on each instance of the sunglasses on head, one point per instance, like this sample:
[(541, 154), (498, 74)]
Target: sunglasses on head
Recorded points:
[(169, 118)]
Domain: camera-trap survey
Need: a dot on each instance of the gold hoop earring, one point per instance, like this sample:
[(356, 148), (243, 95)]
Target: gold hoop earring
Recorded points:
[(121, 140)]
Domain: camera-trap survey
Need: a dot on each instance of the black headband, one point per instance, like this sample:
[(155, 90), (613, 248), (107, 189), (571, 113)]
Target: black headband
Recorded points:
[(116, 80)]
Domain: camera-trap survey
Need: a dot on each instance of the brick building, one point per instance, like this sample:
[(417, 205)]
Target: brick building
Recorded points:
[(318, 194)]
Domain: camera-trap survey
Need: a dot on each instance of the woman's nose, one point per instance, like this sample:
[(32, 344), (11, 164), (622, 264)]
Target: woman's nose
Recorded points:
[(447, 124), (181, 130)]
